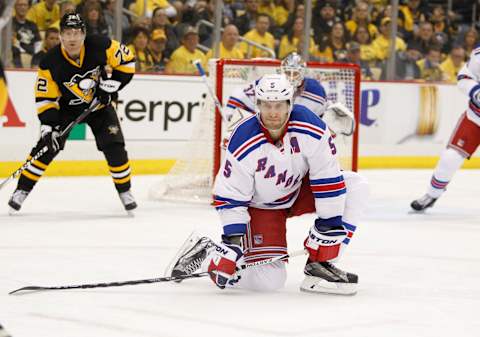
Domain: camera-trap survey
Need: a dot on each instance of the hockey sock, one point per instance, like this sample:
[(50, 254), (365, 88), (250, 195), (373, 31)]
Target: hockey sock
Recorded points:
[(34, 172), (119, 167), (450, 161)]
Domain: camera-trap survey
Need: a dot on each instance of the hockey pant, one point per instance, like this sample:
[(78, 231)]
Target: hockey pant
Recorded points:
[(109, 139), (266, 233), (462, 144)]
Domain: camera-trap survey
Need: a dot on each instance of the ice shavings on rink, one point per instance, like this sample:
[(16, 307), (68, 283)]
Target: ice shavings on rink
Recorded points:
[(419, 273)]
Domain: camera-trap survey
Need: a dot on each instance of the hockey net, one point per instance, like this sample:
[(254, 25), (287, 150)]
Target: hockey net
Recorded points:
[(191, 177)]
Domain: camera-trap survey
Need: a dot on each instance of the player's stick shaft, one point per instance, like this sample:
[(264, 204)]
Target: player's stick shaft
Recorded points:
[(153, 280)]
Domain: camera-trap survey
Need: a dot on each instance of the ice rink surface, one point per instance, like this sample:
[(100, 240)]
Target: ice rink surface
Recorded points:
[(419, 273)]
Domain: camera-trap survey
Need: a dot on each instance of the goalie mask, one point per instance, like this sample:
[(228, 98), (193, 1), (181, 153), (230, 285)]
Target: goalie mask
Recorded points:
[(294, 68)]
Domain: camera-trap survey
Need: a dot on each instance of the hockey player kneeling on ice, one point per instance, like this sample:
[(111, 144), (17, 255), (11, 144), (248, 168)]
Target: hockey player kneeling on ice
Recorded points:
[(71, 79), (280, 163)]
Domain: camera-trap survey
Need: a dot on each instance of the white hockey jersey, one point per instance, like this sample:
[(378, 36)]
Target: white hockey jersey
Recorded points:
[(258, 173), (310, 94), (469, 81)]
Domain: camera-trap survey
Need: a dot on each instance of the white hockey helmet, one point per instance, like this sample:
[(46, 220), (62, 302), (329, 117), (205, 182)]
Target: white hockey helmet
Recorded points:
[(274, 87), (294, 68)]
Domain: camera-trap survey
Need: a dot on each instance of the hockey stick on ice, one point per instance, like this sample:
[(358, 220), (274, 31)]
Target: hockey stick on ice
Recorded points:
[(44, 149), (202, 73), (155, 280)]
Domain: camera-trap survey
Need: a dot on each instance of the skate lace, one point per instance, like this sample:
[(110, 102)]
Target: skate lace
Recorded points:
[(193, 265), (334, 270)]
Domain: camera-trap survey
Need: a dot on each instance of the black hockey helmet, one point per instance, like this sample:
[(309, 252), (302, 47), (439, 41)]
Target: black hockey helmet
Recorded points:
[(72, 20)]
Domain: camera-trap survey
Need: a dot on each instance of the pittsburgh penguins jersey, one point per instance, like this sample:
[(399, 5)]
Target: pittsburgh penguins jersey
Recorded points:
[(259, 173), (3, 90), (469, 82), (310, 94), (66, 86)]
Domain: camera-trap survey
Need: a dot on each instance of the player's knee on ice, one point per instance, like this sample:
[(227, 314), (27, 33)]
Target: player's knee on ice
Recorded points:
[(269, 277)]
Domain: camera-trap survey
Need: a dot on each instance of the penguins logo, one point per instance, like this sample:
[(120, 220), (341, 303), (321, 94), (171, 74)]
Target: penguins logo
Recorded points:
[(83, 86)]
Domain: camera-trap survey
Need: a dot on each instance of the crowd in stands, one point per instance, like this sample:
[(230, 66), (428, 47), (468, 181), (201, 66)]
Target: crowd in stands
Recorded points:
[(432, 42)]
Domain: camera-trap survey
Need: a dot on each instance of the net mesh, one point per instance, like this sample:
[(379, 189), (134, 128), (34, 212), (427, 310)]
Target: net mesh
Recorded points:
[(191, 177)]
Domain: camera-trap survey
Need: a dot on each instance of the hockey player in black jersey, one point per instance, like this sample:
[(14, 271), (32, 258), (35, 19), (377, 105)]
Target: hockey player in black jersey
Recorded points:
[(70, 79)]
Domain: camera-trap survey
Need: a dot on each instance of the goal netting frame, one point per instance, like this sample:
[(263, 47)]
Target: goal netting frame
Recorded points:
[(191, 178)]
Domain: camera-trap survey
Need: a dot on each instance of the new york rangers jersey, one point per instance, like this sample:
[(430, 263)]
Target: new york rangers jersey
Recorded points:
[(310, 94), (468, 82), (259, 173)]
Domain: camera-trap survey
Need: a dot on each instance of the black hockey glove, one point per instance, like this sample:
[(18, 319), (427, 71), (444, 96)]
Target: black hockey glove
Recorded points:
[(107, 91), (51, 138)]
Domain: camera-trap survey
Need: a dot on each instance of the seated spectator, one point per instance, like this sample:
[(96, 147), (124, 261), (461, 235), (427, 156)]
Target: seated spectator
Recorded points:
[(430, 65), (161, 21), (335, 46), (293, 41), (453, 63), (442, 29), (94, 20), (65, 7), (138, 7), (140, 39), (228, 45), (425, 38), (277, 10), (353, 56), (367, 52), (26, 40), (387, 13), (52, 39), (246, 21), (415, 12), (361, 18), (109, 16), (381, 44), (259, 35), (406, 67), (323, 18), (469, 41), (44, 13), (181, 61), (298, 12), (156, 47)]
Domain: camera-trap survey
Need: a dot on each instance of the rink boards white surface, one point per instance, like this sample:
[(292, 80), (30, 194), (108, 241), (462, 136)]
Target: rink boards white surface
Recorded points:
[(419, 273)]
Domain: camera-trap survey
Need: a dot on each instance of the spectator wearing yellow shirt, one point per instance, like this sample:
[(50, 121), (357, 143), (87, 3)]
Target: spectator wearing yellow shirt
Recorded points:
[(414, 11), (65, 7), (139, 46), (260, 35), (335, 46), (138, 7), (44, 13), (453, 63), (382, 43), (430, 65), (367, 52), (228, 45), (181, 61), (277, 10), (293, 41), (361, 18)]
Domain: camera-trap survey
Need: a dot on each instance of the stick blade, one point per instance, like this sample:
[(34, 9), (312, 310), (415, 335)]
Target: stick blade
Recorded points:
[(29, 288)]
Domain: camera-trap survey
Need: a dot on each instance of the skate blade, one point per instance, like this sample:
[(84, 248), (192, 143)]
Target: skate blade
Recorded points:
[(12, 211), (316, 285), (130, 214)]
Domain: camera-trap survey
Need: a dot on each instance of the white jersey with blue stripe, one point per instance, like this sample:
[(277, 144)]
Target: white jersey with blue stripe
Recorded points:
[(469, 82), (310, 94), (258, 173)]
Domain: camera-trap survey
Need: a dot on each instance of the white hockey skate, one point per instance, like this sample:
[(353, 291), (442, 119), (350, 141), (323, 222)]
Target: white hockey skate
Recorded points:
[(128, 201), (324, 277), (16, 201), (190, 256), (423, 203)]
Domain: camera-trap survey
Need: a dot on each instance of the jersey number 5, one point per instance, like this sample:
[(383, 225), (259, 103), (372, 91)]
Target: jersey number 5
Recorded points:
[(332, 145)]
